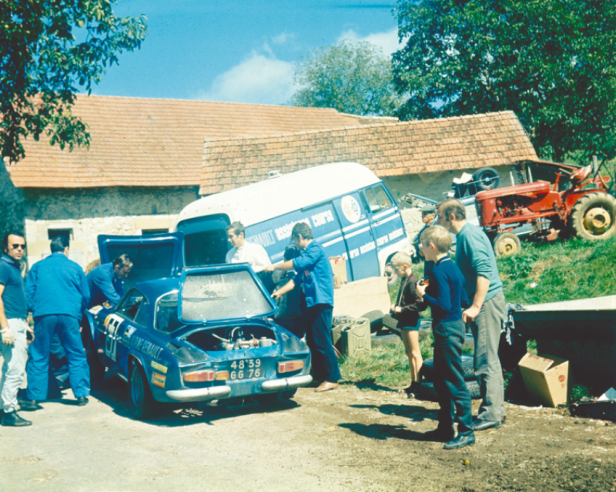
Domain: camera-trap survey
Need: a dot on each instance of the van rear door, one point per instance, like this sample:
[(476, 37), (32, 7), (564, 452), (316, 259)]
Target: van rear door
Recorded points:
[(357, 234), (386, 222)]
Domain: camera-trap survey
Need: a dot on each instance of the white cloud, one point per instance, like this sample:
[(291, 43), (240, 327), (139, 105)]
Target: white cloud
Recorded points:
[(283, 38), (387, 41), (259, 79)]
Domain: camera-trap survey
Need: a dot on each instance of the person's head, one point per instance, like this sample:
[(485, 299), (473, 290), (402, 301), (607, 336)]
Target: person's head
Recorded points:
[(122, 266), (14, 245), (301, 235), (427, 214), (451, 215), (435, 241), (401, 262), (236, 233), (60, 244)]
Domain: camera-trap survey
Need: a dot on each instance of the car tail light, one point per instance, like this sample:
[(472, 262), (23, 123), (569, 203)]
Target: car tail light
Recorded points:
[(222, 376), (199, 376), (290, 366)]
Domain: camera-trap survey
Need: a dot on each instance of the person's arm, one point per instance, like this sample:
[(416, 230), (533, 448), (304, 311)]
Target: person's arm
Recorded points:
[(441, 290), (288, 287), (105, 283), (412, 300), (30, 288), (8, 337), (85, 291), (483, 285), (260, 258), (285, 266)]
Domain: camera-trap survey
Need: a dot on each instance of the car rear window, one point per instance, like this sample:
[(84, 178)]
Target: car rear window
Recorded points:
[(216, 296)]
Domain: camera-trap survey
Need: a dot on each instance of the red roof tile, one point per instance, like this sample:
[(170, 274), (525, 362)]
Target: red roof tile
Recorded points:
[(390, 149)]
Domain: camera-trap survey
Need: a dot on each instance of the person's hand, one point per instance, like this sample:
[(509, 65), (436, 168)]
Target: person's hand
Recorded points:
[(8, 338), (420, 290), (276, 295), (470, 314), (29, 329), (269, 268), (107, 305)]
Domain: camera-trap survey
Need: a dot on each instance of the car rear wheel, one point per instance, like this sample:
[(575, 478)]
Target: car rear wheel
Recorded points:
[(507, 244), (143, 404), (594, 216)]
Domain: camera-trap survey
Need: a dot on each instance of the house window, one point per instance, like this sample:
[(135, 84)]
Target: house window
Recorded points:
[(145, 232), (54, 233)]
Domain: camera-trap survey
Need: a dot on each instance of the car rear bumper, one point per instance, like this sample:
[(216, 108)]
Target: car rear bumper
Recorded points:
[(200, 394), (286, 383)]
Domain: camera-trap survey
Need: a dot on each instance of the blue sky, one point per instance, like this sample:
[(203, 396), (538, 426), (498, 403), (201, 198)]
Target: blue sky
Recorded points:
[(237, 50)]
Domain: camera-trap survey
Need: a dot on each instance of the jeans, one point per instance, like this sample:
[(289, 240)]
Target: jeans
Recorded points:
[(67, 329), (487, 329), (319, 339), (14, 364)]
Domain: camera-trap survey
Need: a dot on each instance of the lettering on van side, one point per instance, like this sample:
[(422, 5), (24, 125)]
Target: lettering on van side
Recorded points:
[(382, 240), (322, 218), (284, 232), (395, 234), (367, 247), (354, 253), (265, 239)]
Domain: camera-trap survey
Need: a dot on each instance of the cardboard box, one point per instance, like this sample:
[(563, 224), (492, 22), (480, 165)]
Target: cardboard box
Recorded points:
[(546, 378), (339, 268)]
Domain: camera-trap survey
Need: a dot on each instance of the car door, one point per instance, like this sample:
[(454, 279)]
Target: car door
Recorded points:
[(153, 256)]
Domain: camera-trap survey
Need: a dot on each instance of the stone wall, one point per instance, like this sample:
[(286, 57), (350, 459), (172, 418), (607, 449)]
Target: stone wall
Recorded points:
[(86, 213), (11, 204)]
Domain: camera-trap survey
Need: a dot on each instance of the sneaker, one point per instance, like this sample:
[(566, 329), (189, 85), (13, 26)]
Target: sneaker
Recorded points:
[(29, 405), (460, 442), (82, 401), (11, 419)]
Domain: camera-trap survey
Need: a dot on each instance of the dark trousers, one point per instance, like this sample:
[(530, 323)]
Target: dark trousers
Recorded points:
[(319, 339), (67, 328), (453, 396)]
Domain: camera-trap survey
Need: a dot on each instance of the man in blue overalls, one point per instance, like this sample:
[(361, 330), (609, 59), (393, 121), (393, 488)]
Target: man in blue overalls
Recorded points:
[(314, 274), (57, 293)]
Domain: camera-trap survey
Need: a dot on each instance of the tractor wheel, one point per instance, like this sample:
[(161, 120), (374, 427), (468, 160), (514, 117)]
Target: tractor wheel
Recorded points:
[(594, 216), (486, 178), (507, 244)]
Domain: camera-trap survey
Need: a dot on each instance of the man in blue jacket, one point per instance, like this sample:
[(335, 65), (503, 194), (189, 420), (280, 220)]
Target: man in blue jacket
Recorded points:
[(105, 281), (57, 293), (317, 280)]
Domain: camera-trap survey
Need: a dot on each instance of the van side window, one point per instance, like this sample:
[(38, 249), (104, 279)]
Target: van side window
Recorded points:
[(373, 204), (382, 197)]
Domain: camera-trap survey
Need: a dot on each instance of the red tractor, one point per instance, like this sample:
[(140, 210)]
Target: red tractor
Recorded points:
[(574, 200)]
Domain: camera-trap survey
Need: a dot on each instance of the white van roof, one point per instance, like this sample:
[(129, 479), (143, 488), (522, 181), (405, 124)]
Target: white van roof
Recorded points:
[(280, 195)]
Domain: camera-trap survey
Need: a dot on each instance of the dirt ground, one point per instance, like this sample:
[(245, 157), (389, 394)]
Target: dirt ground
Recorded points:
[(354, 438)]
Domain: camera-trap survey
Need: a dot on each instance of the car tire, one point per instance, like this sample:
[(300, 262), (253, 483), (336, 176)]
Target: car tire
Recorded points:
[(427, 392), (143, 404), (468, 368), (390, 323), (486, 178), (392, 278), (376, 320), (594, 216), (506, 244)]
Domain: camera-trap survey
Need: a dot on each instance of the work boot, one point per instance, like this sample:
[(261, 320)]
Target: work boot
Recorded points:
[(29, 405), (82, 401), (11, 419)]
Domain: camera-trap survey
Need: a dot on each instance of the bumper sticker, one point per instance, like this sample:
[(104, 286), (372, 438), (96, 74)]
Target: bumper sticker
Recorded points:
[(158, 379)]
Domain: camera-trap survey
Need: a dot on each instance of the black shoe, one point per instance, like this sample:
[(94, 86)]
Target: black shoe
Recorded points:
[(460, 442), (480, 425), (29, 405), (438, 435), (11, 419), (82, 401)]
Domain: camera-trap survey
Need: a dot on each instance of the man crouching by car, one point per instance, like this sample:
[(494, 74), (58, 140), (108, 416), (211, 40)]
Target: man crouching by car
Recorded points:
[(315, 273)]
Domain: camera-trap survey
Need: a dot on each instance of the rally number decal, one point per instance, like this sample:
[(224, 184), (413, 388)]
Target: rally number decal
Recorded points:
[(112, 323)]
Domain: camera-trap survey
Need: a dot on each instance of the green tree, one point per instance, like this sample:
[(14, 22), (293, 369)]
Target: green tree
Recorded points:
[(352, 77), (552, 62), (49, 49)]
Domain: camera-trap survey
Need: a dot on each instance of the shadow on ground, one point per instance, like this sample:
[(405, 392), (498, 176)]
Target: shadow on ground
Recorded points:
[(413, 412), (383, 432), (113, 392)]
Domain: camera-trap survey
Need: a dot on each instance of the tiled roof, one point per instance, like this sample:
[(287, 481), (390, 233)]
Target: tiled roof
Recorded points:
[(391, 149), (156, 142)]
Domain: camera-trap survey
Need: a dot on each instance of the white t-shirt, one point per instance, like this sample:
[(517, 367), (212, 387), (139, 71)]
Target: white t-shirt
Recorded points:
[(252, 253)]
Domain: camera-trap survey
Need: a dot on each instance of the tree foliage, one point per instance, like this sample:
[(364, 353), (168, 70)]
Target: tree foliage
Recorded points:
[(49, 49), (352, 77), (552, 62)]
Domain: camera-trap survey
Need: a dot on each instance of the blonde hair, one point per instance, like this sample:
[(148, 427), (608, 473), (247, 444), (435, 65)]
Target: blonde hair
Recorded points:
[(437, 235), (400, 259)]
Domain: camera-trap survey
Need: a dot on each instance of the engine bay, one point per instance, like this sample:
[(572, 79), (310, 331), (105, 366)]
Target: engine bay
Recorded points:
[(240, 337)]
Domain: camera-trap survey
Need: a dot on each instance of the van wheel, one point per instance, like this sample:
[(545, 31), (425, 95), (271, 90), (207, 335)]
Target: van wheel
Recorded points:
[(392, 278)]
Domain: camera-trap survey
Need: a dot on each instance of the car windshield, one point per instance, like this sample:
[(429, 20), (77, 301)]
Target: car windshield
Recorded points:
[(215, 296)]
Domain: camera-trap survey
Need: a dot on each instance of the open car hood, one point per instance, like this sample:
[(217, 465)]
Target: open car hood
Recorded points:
[(153, 256), (223, 293)]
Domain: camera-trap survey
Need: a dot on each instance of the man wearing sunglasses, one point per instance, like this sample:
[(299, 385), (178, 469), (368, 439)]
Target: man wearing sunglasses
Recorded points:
[(13, 327)]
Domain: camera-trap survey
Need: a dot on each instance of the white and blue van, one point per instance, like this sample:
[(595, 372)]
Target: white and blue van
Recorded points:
[(350, 211)]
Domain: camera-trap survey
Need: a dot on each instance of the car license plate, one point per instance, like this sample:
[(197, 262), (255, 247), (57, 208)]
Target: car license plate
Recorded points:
[(246, 369)]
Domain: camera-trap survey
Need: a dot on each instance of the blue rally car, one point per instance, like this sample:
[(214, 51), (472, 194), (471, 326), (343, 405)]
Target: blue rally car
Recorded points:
[(190, 335)]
